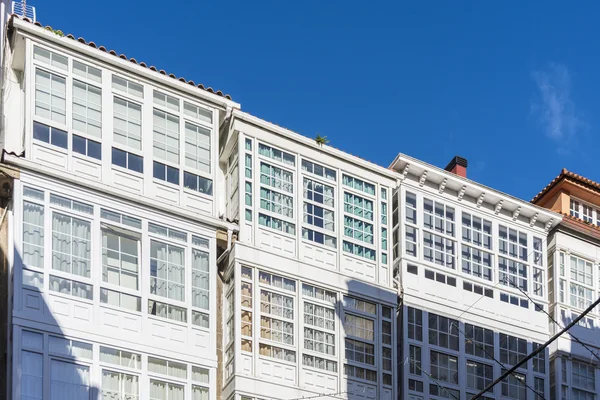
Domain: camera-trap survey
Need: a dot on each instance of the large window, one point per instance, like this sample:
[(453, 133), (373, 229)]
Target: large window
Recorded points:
[(197, 147), (276, 323), (166, 136), (479, 341), (87, 109), (438, 217), (318, 212), (127, 123), (438, 250), (513, 386), (69, 380), (120, 258), (476, 230), (200, 279), (512, 349), (50, 96), (512, 243), (479, 375), (359, 327), (443, 367), (512, 273), (443, 332), (71, 244), (119, 385), (583, 379), (477, 262), (581, 271), (167, 270), (415, 324)]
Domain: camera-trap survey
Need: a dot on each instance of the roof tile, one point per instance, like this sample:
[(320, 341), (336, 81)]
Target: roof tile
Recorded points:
[(114, 53), (568, 174)]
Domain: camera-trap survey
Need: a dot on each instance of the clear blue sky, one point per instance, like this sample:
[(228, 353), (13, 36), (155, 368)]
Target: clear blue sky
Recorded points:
[(511, 86)]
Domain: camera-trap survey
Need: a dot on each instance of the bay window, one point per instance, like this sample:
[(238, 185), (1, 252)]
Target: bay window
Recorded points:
[(50, 96)]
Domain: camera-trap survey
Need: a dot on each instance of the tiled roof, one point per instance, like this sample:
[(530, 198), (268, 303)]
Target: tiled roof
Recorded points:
[(122, 56), (568, 174), (585, 227)]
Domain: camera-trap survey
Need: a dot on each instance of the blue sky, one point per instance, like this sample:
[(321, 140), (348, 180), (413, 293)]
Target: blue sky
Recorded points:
[(511, 86)]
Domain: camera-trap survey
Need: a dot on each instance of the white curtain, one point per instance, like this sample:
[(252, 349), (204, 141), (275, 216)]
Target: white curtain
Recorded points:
[(199, 393), (70, 244), (69, 381), (176, 274), (33, 234), (158, 390), (81, 247), (200, 279), (31, 375)]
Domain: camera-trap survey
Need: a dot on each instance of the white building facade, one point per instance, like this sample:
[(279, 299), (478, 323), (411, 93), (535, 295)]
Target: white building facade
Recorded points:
[(471, 265), (309, 306), (113, 224), (574, 268)]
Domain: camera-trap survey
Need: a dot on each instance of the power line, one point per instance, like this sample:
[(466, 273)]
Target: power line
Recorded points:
[(537, 306), (537, 351), (497, 361)]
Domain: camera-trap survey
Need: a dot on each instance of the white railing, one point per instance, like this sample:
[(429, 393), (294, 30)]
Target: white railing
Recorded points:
[(22, 9)]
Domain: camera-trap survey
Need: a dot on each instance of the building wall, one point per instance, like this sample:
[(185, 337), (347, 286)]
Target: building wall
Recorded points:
[(452, 261)]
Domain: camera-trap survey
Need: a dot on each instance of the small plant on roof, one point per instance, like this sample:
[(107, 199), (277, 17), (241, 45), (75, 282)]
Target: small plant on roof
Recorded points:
[(321, 140), (57, 32)]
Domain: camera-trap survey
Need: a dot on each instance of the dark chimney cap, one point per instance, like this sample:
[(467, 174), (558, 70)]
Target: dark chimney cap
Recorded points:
[(457, 160)]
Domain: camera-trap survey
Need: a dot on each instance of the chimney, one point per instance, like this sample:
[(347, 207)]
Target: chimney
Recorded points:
[(458, 166)]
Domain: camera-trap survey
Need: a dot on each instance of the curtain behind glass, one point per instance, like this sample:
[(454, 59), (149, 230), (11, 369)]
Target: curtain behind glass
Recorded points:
[(69, 381), (31, 375), (33, 234)]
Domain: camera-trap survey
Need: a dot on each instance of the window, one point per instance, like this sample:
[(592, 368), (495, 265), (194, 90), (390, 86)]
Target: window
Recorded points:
[(513, 242), (512, 349), (166, 173), (200, 279), (50, 96), (165, 100), (352, 371), (443, 332), (69, 378), (276, 202), (120, 259), (48, 134), (438, 250), (120, 218), (358, 206), (476, 230), (51, 58), (583, 376), (87, 109), (411, 207), (163, 310), (476, 262), (87, 147), (318, 170), (581, 297), (319, 316), (319, 341), (127, 160), (574, 208), (196, 112), (513, 386), (360, 351), (318, 362), (277, 352), (197, 183), (119, 299), (415, 324), (479, 341), (360, 305), (127, 86), (411, 241), (33, 234), (443, 367), (357, 229), (538, 251), (161, 390), (197, 147), (512, 273), (538, 282), (119, 385), (276, 178), (362, 328), (319, 237), (275, 154), (277, 281), (359, 250), (166, 136), (167, 271), (538, 386), (415, 360), (438, 217), (479, 375), (318, 293), (32, 375), (319, 217), (70, 287), (127, 123), (86, 71), (71, 245), (277, 224), (358, 184), (581, 271), (539, 360)]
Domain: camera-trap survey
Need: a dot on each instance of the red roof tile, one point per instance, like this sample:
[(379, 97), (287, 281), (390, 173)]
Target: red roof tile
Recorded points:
[(112, 52), (566, 174)]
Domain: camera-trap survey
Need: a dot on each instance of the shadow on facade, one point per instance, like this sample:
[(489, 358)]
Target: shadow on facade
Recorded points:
[(43, 359)]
